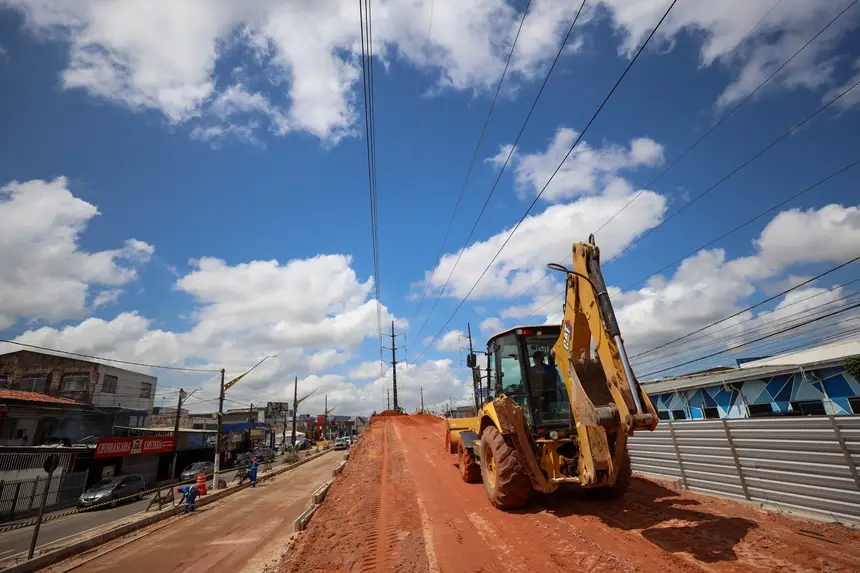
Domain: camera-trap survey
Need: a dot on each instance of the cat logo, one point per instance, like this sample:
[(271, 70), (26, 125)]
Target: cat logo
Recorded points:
[(136, 446), (566, 338)]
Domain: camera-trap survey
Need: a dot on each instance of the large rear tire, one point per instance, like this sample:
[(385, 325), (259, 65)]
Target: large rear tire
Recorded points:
[(505, 479), (470, 470), (622, 483)]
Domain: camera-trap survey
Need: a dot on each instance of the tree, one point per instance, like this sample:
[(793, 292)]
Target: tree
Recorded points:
[(852, 366)]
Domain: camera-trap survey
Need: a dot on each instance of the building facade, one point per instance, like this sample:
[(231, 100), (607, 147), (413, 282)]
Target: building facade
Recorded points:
[(99, 396), (779, 386)]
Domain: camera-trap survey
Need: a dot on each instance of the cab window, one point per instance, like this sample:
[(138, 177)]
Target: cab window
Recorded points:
[(510, 368), (548, 389)]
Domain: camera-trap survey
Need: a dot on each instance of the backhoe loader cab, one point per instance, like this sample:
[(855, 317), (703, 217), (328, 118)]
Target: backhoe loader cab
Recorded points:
[(557, 402)]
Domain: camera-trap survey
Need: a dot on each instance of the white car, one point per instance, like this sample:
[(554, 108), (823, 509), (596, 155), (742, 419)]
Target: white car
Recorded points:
[(341, 443)]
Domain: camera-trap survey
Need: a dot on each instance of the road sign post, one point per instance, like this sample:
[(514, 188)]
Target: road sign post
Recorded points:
[(51, 464)]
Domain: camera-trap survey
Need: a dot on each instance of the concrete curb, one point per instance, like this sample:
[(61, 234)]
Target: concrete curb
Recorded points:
[(62, 553), (302, 522), (319, 494), (338, 468)]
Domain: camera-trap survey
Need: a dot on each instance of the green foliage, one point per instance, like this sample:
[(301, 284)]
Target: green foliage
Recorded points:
[(852, 366)]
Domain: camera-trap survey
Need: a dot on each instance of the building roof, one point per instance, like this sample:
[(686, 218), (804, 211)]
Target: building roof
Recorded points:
[(80, 359), (700, 380), (23, 396)]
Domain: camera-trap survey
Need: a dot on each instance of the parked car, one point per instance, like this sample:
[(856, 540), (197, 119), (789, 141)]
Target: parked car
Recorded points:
[(243, 459), (190, 473), (341, 443), (113, 489), (265, 453)]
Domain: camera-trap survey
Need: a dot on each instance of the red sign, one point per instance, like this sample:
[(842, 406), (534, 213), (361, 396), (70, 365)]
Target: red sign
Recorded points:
[(112, 447)]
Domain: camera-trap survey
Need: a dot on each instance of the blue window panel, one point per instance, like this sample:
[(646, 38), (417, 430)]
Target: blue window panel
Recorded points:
[(841, 406), (661, 404), (696, 400), (838, 387), (784, 394), (696, 413), (737, 411), (803, 390), (781, 405), (826, 373), (677, 402), (707, 396), (723, 399), (830, 408), (817, 386), (777, 385), (754, 390)]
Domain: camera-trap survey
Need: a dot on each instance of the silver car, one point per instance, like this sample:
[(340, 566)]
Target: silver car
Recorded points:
[(110, 491)]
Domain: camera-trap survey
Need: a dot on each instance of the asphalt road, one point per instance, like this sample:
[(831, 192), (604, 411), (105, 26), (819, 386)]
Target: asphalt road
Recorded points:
[(18, 540), (243, 532)]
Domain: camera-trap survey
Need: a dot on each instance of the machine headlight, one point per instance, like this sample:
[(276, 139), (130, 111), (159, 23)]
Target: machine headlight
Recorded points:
[(553, 435)]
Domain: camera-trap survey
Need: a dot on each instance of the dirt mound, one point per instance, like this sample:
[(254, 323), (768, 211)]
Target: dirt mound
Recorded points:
[(388, 413)]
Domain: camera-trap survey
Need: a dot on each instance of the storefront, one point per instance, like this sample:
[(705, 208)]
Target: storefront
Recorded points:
[(145, 456)]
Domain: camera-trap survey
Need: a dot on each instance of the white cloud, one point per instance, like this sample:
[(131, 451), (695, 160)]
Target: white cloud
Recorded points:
[(491, 325), (708, 286), (107, 296), (586, 171), (163, 55), (544, 238), (46, 275), (367, 371), (851, 98), (722, 25), (450, 341)]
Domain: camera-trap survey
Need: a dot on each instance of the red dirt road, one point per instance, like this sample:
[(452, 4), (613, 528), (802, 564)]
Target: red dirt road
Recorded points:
[(400, 505)]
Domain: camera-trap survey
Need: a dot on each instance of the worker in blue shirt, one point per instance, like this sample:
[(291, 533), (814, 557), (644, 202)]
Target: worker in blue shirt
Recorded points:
[(189, 495), (252, 472)]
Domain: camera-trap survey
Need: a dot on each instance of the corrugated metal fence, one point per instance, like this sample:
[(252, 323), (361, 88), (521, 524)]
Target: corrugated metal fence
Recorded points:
[(806, 463), (21, 498)]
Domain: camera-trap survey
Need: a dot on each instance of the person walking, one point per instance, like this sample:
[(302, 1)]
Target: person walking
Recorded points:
[(189, 496), (252, 472)]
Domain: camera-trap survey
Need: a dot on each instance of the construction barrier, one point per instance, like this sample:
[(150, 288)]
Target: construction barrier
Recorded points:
[(804, 463), (201, 483)]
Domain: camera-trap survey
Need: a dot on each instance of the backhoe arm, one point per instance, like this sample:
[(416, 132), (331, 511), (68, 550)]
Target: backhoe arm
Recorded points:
[(606, 400)]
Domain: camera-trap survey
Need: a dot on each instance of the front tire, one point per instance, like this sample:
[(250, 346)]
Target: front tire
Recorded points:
[(504, 475), (470, 470)]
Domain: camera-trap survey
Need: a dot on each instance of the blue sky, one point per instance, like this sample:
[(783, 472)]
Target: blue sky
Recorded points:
[(210, 176)]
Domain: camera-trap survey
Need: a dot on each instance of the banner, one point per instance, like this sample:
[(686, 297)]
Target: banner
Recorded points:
[(112, 447), (277, 410)]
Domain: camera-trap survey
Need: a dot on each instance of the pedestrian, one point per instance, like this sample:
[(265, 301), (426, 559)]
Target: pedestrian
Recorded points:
[(252, 472), (189, 495)]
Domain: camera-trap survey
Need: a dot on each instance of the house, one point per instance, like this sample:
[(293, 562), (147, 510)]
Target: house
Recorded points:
[(34, 419), (110, 396)]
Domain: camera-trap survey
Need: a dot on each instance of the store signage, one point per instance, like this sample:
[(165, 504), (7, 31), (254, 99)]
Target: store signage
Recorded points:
[(112, 447)]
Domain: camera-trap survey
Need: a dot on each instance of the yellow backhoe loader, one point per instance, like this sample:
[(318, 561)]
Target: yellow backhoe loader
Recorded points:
[(558, 401)]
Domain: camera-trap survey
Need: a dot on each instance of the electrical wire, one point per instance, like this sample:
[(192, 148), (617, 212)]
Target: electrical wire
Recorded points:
[(538, 196), (725, 117), (366, 25), (710, 335), (747, 334), (744, 344), (474, 159), (118, 361), (751, 307), (702, 138)]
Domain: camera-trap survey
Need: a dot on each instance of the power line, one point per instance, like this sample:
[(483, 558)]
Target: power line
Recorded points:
[(118, 361), (722, 180), (474, 158), (724, 118), (702, 138), (746, 335), (771, 335), (366, 24), (751, 307), (504, 166), (538, 196), (752, 318)]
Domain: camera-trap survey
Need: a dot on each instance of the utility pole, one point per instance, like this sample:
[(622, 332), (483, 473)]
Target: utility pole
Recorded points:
[(393, 361), (475, 380), (176, 432), (295, 408), (422, 399), (325, 418), (218, 434), (387, 399), (250, 421)]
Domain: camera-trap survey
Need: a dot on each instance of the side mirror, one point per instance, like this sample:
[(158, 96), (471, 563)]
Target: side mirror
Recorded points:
[(471, 360)]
